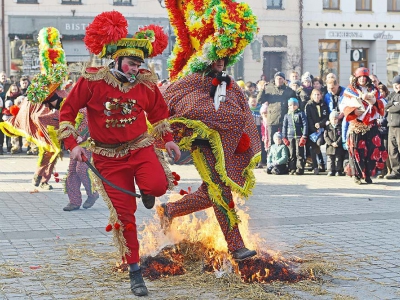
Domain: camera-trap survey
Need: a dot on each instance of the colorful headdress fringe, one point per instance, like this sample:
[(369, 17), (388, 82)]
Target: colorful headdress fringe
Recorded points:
[(53, 66), (107, 36), (208, 30)]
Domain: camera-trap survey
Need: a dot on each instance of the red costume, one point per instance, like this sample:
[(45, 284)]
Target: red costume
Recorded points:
[(122, 148)]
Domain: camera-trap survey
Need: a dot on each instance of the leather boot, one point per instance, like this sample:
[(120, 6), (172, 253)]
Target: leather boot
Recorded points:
[(90, 201), (138, 286), (243, 254), (148, 200)]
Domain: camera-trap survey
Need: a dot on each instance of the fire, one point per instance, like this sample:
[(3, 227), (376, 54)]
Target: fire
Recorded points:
[(193, 239)]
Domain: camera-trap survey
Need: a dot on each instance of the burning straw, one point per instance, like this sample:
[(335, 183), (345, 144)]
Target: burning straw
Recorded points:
[(192, 240)]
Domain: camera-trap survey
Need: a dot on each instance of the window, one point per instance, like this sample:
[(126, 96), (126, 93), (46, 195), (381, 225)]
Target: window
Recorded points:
[(27, 1), (331, 4), (393, 60), (274, 4), (71, 2), (122, 2), (328, 57), (274, 41), (363, 5), (393, 5)]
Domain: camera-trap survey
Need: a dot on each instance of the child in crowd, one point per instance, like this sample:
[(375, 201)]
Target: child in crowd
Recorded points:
[(264, 129), (278, 156), (255, 111), (294, 133), (6, 116), (334, 147)]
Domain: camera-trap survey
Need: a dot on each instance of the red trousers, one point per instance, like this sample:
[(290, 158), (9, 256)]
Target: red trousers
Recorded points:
[(141, 166)]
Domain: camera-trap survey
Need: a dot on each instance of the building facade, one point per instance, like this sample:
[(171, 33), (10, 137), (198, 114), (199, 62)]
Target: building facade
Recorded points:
[(278, 46), (339, 36)]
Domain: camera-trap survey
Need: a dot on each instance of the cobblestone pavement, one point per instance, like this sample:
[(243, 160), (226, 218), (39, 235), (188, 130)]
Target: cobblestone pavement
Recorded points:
[(46, 253)]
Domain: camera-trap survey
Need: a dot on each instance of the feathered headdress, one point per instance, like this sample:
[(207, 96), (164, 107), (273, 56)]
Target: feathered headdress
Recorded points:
[(53, 66), (107, 36), (207, 31)]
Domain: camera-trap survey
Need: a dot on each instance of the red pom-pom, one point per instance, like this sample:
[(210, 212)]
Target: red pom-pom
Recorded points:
[(40, 133), (108, 227), (215, 82), (183, 192), (107, 27), (231, 204), (57, 179), (55, 174), (177, 177), (117, 226), (175, 182), (129, 227), (160, 41), (14, 109), (244, 144)]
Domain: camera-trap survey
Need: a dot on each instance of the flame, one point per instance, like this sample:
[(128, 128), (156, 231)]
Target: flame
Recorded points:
[(199, 237)]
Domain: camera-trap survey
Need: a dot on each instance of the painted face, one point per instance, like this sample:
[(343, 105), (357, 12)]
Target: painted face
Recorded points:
[(316, 96), (362, 80), (218, 65), (130, 66)]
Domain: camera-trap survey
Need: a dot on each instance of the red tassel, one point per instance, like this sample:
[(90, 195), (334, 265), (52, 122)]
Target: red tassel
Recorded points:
[(177, 177), (231, 204), (215, 82), (117, 226), (57, 179), (183, 192), (175, 182), (108, 227), (14, 109), (244, 144), (55, 174)]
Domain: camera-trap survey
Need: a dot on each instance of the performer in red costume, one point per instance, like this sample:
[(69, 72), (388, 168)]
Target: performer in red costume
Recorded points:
[(119, 97), (210, 115)]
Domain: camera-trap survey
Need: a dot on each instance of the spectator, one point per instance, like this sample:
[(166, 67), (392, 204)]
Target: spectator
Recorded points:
[(266, 142), (375, 80), (333, 95), (334, 148), (250, 88), (260, 85), (5, 82), (317, 83), (295, 85), (276, 94), (23, 85), (255, 111), (305, 90), (293, 76), (317, 116), (294, 133), (393, 109), (383, 129), (13, 92), (277, 156)]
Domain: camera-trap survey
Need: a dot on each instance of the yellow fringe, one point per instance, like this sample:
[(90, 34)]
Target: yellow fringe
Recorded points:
[(66, 129), (148, 79), (159, 129), (118, 236), (213, 189), (203, 131)]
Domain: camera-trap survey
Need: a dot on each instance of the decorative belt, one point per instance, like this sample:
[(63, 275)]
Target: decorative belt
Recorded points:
[(360, 127), (120, 149)]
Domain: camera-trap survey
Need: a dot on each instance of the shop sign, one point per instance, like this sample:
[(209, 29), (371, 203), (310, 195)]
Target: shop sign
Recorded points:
[(362, 35)]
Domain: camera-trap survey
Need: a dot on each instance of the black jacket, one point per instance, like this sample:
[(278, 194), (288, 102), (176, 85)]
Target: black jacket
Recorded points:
[(332, 135), (393, 110), (314, 117), (277, 98)]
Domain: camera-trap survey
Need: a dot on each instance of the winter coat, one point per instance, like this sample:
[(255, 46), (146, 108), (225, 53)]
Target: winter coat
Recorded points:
[(295, 125), (393, 110), (314, 117), (277, 98), (278, 154), (304, 95), (333, 135)]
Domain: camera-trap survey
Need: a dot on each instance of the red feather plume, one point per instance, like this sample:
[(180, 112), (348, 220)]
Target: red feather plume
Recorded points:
[(161, 39), (106, 28)]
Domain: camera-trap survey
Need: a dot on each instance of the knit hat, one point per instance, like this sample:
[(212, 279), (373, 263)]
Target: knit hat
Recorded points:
[(107, 36), (207, 31), (333, 114), (306, 77), (396, 79), (361, 72), (8, 103), (295, 82), (280, 74), (277, 135), (293, 101)]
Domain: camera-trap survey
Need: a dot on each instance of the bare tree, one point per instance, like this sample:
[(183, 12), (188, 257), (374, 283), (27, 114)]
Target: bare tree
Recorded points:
[(293, 59)]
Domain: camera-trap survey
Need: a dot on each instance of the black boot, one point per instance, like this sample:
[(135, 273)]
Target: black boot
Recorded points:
[(36, 180), (138, 286), (243, 253), (148, 200)]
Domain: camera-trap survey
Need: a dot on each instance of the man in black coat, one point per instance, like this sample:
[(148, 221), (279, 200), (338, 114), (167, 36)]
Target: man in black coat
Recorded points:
[(276, 94)]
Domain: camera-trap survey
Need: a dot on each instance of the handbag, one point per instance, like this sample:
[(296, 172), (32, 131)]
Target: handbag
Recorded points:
[(315, 135)]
